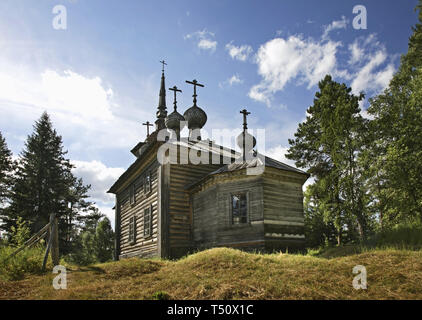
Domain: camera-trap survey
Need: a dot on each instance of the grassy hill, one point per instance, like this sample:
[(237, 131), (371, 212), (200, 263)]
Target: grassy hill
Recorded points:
[(231, 274)]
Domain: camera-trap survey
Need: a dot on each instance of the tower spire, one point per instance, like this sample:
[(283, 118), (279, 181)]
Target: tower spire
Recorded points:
[(162, 109)]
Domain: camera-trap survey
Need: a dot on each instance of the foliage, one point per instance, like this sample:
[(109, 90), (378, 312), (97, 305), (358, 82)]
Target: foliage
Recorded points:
[(396, 146), (328, 143), (104, 241), (20, 233), (161, 295), (6, 170), (401, 236), (94, 244), (28, 261), (44, 184)]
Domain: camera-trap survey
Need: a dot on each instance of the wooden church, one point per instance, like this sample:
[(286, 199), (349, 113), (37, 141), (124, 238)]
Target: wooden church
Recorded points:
[(170, 208)]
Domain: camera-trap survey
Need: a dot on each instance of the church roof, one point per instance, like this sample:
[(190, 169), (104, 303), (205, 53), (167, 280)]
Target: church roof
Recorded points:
[(254, 163), (204, 145)]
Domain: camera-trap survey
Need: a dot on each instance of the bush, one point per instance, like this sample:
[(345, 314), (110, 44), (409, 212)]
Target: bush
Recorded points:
[(402, 236), (28, 261), (161, 295)]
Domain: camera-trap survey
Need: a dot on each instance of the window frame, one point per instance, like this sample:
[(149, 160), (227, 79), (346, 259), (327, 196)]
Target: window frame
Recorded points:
[(148, 230), (132, 194), (239, 193), (147, 182), (132, 230)]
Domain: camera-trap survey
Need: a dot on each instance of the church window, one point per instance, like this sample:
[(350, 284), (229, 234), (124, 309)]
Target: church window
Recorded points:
[(148, 221), (132, 198), (147, 183), (239, 208), (132, 230)]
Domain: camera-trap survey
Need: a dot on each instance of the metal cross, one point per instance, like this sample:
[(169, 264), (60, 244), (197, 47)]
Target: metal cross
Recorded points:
[(245, 114), (148, 124), (164, 63), (175, 90), (195, 83)]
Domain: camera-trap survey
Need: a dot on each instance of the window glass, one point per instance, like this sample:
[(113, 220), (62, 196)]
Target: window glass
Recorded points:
[(147, 222), (239, 208), (147, 183)]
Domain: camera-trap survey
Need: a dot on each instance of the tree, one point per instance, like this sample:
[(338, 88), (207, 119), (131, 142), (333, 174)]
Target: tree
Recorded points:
[(328, 145), (104, 241), (396, 148), (6, 168), (43, 183), (95, 240)]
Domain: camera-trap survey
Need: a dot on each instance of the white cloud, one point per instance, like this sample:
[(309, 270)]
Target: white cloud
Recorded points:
[(372, 72), (356, 53), (338, 24), (234, 79), (205, 39), (99, 176), (207, 44), (83, 109), (282, 60), (240, 53)]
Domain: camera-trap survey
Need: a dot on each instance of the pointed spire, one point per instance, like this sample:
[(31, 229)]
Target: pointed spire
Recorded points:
[(162, 109)]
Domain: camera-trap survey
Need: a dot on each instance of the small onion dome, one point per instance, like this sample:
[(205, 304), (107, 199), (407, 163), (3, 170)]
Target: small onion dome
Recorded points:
[(174, 121), (250, 141), (196, 117)]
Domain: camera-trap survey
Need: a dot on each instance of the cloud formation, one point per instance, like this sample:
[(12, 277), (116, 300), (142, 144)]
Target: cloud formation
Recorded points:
[(337, 24), (240, 53), (99, 176), (307, 61), (205, 40), (282, 60)]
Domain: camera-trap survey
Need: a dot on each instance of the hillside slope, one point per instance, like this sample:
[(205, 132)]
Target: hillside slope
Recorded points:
[(231, 274)]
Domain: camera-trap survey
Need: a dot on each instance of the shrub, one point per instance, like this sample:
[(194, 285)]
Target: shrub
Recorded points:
[(402, 236), (28, 261), (160, 295)]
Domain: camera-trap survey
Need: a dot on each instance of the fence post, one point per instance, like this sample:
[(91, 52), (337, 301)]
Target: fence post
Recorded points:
[(53, 242)]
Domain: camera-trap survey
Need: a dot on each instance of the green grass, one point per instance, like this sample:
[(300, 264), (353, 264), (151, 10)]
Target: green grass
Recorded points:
[(224, 273)]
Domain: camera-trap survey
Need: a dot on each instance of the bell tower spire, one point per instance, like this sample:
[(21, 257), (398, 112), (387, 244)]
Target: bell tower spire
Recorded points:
[(162, 109)]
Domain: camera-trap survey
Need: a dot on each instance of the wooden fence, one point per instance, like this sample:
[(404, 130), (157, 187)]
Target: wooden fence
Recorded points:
[(50, 229)]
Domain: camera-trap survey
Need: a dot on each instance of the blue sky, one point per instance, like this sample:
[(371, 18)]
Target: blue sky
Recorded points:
[(99, 78)]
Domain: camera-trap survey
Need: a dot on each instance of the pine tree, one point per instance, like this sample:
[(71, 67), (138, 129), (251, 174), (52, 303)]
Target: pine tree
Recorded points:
[(397, 138), (6, 168), (44, 183), (328, 144)]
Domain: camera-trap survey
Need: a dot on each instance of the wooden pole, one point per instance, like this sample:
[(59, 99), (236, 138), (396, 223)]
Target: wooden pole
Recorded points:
[(52, 243), (55, 245)]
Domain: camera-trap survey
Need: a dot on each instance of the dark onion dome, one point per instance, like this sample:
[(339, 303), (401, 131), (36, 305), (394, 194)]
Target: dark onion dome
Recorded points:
[(173, 121), (248, 139), (196, 117)]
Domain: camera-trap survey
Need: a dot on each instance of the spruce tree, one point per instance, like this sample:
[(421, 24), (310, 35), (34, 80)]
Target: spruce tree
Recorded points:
[(6, 168), (44, 183), (328, 145)]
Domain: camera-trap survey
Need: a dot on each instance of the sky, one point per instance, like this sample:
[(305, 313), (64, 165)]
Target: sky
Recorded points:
[(93, 65)]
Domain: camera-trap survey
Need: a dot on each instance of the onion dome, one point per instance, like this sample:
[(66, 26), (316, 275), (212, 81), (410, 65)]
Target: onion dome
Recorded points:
[(250, 141), (196, 117), (174, 121)]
